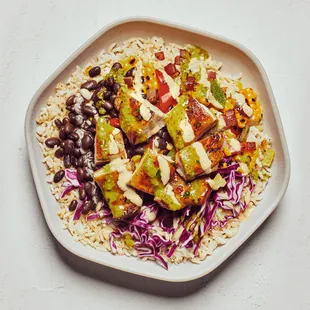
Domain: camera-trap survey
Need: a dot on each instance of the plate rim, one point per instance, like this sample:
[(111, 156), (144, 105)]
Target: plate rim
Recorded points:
[(82, 48)]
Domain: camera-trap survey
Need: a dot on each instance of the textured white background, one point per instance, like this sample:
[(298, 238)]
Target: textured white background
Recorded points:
[(270, 271)]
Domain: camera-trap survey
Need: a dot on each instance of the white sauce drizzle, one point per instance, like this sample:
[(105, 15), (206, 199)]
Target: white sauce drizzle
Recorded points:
[(113, 147), (169, 191), (123, 178), (145, 112), (187, 129), (204, 160), (164, 169), (173, 86)]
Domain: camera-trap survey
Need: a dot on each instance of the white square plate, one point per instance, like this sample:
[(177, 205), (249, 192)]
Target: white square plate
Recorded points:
[(235, 58)]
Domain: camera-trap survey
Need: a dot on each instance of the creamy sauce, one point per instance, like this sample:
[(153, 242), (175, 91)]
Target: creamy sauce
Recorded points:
[(145, 112), (169, 191), (129, 193), (203, 157), (235, 144), (164, 169), (115, 131), (86, 93), (174, 87), (113, 148), (187, 130)]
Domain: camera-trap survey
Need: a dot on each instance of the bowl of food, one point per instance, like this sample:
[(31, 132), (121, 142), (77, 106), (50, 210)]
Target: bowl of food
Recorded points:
[(152, 153)]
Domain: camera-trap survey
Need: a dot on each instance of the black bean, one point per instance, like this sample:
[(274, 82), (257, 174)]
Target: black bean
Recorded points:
[(70, 101), (90, 85), (107, 95), (76, 152), (70, 108), (138, 150), (112, 98), (73, 205), (68, 128), (94, 71), (74, 161), (117, 66), (114, 114), (69, 146), (60, 152), (78, 143), (110, 81), (80, 161), (130, 72), (51, 142), (67, 161), (80, 174), (65, 120), (62, 144), (58, 123), (87, 142), (116, 87), (87, 175), (162, 143), (129, 153), (102, 83), (82, 193), (58, 176), (166, 136), (74, 136), (93, 203), (89, 111), (79, 120), (72, 118), (89, 189), (107, 106), (87, 207), (62, 133), (160, 132), (94, 122), (99, 193), (92, 130), (94, 97)]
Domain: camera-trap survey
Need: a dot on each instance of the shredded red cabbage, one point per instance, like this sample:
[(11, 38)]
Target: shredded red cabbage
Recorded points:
[(73, 182), (153, 227)]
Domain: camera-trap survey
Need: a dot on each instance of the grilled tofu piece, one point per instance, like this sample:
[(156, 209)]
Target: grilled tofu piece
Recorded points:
[(139, 119), (113, 181), (201, 157), (188, 121), (109, 143), (178, 194), (153, 171)]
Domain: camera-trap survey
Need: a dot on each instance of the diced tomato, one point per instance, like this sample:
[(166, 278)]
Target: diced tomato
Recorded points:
[(128, 80), (236, 131), (248, 146), (114, 122), (172, 70), (211, 75), (160, 55), (190, 83), (230, 118), (177, 60), (166, 101)]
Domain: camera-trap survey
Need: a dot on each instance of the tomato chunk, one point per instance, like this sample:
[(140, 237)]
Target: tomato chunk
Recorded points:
[(172, 70), (230, 118), (114, 122), (166, 101), (160, 55)]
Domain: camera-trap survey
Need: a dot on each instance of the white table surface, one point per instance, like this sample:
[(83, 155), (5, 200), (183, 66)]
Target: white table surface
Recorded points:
[(270, 271)]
